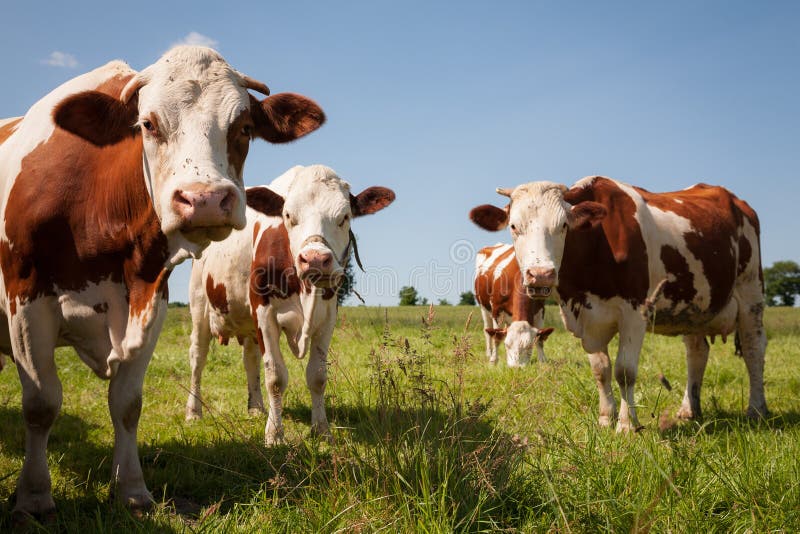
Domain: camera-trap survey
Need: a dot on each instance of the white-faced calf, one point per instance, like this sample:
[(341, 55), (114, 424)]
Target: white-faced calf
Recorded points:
[(509, 314)]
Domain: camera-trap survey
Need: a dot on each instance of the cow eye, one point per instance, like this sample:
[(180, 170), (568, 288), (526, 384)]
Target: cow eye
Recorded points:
[(149, 126), (247, 131), (344, 220), (513, 227)]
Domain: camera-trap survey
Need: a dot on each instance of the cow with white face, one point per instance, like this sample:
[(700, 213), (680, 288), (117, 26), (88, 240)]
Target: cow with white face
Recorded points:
[(618, 256), (106, 184), (503, 300), (280, 274)]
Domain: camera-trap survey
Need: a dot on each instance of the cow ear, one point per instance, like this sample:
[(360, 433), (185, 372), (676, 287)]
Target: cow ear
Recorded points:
[(543, 334), (97, 117), (497, 333), (490, 217), (264, 200), (285, 117), (586, 215), (371, 200)]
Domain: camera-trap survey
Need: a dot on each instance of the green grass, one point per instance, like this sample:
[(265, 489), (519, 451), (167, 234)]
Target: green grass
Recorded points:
[(430, 438)]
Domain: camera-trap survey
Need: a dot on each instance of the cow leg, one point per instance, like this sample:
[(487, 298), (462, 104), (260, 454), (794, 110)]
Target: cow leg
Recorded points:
[(491, 346), (753, 341), (276, 378), (252, 367), (696, 360), (33, 340), (631, 338), (538, 323), (198, 354), (125, 405), (601, 370), (317, 378)]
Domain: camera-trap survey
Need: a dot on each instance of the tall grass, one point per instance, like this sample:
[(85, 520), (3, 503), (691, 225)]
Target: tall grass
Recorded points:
[(430, 438)]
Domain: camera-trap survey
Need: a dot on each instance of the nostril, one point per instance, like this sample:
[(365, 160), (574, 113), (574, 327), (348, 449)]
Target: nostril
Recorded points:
[(303, 260), (327, 261), (227, 203), (180, 197)]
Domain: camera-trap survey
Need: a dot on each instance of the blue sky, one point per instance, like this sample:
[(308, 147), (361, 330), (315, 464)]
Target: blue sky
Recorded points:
[(445, 102)]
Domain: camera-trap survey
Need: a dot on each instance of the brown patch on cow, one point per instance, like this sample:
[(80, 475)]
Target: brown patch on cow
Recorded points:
[(609, 260), (8, 128), (371, 200), (100, 307), (239, 136), (217, 295), (79, 213), (130, 418), (223, 340), (682, 288), (505, 293), (715, 218), (272, 271), (745, 253)]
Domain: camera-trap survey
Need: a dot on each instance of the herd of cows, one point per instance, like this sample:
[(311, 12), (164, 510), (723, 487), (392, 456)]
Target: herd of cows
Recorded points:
[(117, 176)]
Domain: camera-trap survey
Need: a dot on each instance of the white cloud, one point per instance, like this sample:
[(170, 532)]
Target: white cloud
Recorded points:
[(196, 39), (61, 59)]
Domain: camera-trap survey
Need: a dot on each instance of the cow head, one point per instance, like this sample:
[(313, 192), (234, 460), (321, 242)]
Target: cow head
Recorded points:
[(196, 119), (317, 211), (539, 216), (519, 338)]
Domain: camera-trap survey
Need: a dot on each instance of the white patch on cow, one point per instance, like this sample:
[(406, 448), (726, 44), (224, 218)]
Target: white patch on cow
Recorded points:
[(503, 264), (678, 201), (482, 266), (666, 228)]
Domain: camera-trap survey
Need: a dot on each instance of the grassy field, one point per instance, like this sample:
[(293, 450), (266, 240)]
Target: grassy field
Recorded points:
[(430, 438)]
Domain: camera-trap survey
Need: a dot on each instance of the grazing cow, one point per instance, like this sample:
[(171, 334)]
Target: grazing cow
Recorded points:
[(503, 300), (106, 184), (622, 259), (279, 274)]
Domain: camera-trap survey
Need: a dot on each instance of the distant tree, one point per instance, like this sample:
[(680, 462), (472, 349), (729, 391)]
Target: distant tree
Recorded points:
[(444, 302), (782, 283), (348, 283), (423, 301), (408, 296), (467, 299)]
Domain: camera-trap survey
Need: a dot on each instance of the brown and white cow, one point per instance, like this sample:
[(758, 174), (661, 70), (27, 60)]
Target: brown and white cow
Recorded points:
[(106, 184), (618, 255), (509, 314), (279, 274)]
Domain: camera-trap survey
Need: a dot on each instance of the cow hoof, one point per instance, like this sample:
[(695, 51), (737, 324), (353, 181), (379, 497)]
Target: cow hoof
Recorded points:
[(321, 431), (757, 413), (626, 427), (24, 520), (192, 415), (139, 502), (686, 414), (605, 421), (274, 439), (256, 411)]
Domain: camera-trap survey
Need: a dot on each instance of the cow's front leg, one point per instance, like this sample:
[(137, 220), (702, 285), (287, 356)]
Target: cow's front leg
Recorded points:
[(491, 345), (538, 323), (251, 358), (276, 378), (696, 360), (33, 342), (198, 355), (631, 338), (317, 378), (601, 370), (125, 405)]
